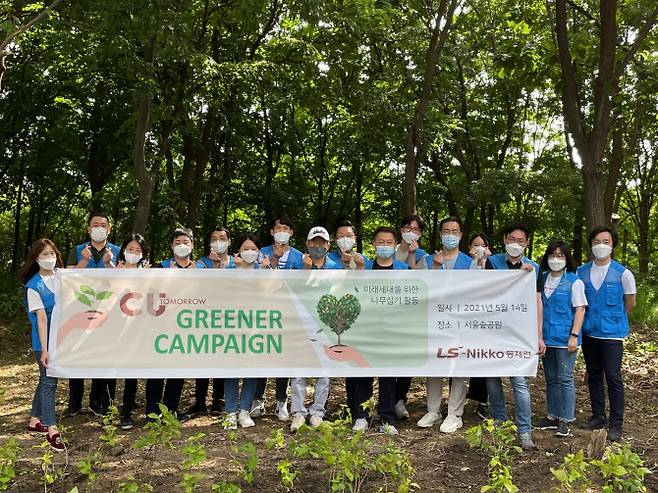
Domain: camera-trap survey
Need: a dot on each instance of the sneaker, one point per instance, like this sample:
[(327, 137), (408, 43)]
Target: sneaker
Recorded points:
[(596, 423), (245, 420), (37, 428), (546, 424), (429, 420), (56, 444), (525, 439), (96, 411), (563, 429), (282, 410), (69, 412), (257, 408), (401, 410), (126, 423), (193, 412), (388, 429), (216, 410), (298, 421), (315, 420), (483, 411), (451, 424), (614, 434), (360, 424), (230, 421)]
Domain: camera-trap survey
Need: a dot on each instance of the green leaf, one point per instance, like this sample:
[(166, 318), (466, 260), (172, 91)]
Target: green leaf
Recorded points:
[(104, 295), (83, 299), (87, 290)]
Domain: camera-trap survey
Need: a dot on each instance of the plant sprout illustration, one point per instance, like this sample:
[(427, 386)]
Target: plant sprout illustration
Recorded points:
[(338, 314), (87, 296)]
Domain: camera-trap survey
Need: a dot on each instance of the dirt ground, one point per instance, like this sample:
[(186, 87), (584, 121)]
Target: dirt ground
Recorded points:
[(444, 463)]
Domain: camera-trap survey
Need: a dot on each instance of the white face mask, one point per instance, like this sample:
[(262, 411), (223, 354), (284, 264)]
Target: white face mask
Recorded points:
[(410, 237), (282, 237), (47, 263), (249, 256), (556, 264), (219, 246), (601, 251), (182, 250), (514, 250), (98, 234), (132, 258), (345, 243)]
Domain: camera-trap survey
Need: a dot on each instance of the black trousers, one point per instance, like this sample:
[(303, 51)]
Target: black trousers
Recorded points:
[(402, 385), (358, 390), (129, 394), (388, 395), (101, 393), (603, 362), (477, 390), (167, 392), (281, 389), (201, 392)]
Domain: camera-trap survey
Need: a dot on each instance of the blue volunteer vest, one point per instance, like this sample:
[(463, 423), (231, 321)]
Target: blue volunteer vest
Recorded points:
[(48, 299), (197, 263), (558, 313), (463, 261), (499, 261), (397, 265), (207, 262), (330, 264), (337, 256), (605, 315), (92, 264), (295, 257)]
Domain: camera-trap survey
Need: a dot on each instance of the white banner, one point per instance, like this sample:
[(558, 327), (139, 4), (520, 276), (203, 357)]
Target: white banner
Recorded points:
[(170, 323)]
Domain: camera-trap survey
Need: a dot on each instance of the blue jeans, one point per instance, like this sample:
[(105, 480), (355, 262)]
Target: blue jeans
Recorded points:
[(560, 387), (522, 404), (43, 404), (231, 394)]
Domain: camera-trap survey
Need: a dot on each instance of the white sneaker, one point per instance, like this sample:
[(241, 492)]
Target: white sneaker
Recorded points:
[(257, 408), (297, 421), (231, 421), (282, 410), (245, 420), (388, 429), (315, 420), (451, 424), (401, 410), (429, 420), (360, 424)]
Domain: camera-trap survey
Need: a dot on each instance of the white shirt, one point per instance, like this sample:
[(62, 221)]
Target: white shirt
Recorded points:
[(283, 259), (578, 297), (598, 273), (34, 301)]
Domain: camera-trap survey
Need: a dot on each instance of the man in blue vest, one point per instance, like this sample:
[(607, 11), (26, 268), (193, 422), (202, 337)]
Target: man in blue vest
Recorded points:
[(515, 238), (97, 253), (610, 291), (449, 258)]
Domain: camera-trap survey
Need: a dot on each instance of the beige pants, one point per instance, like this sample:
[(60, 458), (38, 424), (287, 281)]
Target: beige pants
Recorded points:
[(456, 399)]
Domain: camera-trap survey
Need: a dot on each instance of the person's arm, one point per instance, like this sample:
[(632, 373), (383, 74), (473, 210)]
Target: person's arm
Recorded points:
[(540, 320), (84, 260), (628, 283), (42, 324), (629, 302), (578, 318)]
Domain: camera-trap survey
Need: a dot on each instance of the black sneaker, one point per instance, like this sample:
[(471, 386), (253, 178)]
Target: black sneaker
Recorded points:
[(483, 411), (193, 412), (546, 424), (596, 423), (126, 423), (614, 434), (69, 412), (563, 429)]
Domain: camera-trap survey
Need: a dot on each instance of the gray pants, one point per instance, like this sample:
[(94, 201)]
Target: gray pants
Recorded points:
[(456, 399), (320, 395), (43, 404)]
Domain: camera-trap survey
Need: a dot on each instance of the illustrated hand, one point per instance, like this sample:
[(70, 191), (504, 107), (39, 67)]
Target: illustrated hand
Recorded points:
[(81, 321), (346, 354)]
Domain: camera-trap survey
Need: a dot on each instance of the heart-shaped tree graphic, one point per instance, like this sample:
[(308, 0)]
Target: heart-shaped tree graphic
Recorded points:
[(338, 314)]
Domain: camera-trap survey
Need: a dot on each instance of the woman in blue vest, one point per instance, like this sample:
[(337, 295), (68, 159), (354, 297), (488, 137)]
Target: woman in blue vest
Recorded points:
[(133, 255), (217, 258), (610, 290), (38, 275), (564, 302)]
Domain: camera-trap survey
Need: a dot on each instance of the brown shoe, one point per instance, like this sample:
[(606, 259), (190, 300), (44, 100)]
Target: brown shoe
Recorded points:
[(56, 443), (37, 428)]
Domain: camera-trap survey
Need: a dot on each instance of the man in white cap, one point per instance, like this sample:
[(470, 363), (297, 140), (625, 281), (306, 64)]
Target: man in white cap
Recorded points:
[(317, 244)]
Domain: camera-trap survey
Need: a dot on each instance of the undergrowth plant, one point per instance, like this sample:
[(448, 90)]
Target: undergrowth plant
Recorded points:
[(194, 453), (8, 456)]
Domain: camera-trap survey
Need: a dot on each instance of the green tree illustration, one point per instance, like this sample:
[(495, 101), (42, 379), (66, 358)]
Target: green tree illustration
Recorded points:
[(338, 314), (87, 296)]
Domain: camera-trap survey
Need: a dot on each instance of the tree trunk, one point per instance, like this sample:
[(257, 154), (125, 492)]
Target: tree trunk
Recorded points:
[(15, 260)]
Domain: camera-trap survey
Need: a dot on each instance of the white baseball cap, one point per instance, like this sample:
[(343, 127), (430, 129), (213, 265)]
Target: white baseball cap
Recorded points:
[(318, 231)]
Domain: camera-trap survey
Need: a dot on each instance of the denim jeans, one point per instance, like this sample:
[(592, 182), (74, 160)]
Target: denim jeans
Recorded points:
[(320, 395), (522, 403), (246, 397), (43, 404), (560, 386), (603, 360)]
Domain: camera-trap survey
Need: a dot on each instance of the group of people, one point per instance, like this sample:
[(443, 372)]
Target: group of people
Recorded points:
[(586, 307)]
